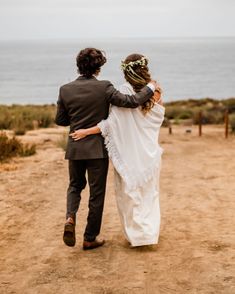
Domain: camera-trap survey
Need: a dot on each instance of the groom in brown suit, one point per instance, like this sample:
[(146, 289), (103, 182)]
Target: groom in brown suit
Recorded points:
[(82, 104)]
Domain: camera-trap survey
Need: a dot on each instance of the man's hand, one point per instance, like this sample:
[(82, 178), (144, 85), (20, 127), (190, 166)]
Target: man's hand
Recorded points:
[(159, 89), (154, 83)]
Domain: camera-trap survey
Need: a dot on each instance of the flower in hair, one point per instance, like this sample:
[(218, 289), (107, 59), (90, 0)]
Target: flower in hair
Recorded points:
[(128, 66)]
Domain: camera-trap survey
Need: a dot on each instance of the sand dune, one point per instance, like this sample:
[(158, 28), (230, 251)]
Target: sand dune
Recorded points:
[(196, 252)]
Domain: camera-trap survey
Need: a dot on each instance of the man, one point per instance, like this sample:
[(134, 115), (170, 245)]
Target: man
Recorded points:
[(82, 104)]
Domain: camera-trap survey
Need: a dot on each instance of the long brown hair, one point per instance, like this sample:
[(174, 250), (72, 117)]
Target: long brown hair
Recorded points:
[(137, 74)]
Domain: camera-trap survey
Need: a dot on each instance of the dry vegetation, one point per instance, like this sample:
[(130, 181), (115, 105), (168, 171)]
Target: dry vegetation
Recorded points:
[(212, 110), (22, 118), (10, 147)]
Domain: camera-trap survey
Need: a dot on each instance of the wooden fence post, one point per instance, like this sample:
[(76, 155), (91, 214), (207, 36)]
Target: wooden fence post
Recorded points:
[(200, 123), (170, 129), (226, 121)]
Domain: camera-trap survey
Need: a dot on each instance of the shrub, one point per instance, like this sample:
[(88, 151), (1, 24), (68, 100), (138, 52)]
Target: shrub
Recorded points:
[(10, 147), (62, 142), (20, 131), (186, 114), (229, 104), (5, 119), (46, 120), (166, 122), (232, 122), (26, 117), (212, 110), (213, 117), (19, 127), (209, 117), (27, 150), (172, 111)]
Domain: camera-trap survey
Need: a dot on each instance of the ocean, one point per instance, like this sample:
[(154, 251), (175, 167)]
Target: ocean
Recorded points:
[(31, 72)]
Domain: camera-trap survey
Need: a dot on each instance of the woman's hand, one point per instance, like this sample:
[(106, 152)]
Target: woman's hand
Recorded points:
[(79, 134), (82, 133)]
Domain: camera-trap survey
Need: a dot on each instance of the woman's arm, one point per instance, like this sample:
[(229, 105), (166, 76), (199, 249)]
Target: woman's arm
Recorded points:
[(82, 133)]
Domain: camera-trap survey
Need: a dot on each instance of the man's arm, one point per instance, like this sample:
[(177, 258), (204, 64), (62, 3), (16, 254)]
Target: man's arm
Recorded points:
[(62, 118), (129, 101)]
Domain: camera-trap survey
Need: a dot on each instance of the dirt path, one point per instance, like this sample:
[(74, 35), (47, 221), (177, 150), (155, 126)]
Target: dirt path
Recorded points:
[(196, 252)]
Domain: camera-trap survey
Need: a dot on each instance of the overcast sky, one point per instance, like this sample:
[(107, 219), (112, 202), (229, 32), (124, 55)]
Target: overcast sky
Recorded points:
[(60, 19)]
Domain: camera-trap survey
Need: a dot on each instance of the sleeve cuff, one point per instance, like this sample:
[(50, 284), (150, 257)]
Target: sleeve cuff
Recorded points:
[(151, 87)]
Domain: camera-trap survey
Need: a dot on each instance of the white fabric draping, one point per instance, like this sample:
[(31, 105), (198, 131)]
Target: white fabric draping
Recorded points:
[(132, 142)]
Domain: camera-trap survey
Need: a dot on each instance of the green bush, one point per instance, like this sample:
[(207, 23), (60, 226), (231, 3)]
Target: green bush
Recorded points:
[(229, 104), (186, 114), (212, 110), (172, 111), (10, 147), (212, 117)]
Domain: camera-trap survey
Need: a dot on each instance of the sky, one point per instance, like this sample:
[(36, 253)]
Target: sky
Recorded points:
[(86, 19)]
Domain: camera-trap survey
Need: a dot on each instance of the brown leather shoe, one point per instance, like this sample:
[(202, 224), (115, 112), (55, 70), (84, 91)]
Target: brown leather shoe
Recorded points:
[(92, 245), (69, 233)]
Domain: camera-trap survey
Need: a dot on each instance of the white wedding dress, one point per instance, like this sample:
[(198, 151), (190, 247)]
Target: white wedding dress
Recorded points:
[(132, 142)]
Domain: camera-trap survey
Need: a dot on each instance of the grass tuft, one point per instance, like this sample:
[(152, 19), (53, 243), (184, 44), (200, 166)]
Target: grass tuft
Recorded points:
[(10, 147)]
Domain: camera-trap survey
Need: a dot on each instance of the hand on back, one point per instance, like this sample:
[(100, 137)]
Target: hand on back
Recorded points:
[(157, 95)]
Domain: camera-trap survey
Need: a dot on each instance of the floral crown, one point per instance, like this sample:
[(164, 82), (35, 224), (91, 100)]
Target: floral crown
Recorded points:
[(127, 66), (130, 72)]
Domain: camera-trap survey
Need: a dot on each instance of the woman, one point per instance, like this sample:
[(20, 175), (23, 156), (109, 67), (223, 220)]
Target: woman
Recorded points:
[(131, 138)]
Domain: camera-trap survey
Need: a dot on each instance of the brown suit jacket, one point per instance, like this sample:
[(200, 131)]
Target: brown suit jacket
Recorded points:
[(85, 102)]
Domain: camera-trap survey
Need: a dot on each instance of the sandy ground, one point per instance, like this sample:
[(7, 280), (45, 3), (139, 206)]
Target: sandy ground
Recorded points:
[(196, 252)]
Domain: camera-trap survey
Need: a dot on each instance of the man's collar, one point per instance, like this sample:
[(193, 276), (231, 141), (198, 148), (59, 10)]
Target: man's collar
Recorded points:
[(85, 78)]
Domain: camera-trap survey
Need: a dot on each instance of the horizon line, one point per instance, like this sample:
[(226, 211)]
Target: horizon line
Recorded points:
[(117, 38)]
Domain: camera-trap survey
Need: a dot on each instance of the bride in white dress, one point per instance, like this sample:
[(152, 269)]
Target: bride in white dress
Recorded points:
[(131, 138)]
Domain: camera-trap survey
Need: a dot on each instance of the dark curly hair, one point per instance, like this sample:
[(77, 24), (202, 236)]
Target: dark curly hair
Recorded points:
[(89, 61), (143, 72)]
